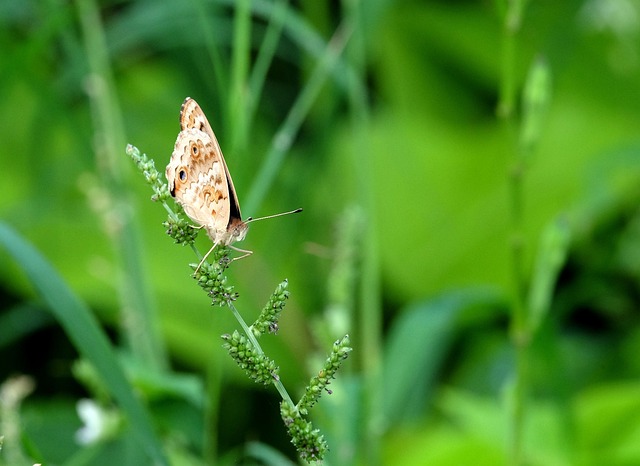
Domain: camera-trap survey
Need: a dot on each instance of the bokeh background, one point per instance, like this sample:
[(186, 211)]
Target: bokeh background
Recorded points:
[(470, 178)]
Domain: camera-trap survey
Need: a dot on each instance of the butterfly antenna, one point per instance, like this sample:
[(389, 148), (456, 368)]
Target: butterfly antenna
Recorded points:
[(251, 219)]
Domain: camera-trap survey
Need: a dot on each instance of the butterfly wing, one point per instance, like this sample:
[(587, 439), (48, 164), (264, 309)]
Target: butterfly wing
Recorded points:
[(197, 179), (192, 117)]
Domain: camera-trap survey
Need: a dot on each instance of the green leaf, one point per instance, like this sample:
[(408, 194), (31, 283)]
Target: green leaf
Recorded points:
[(609, 424), (535, 102), (84, 331), (551, 257), (417, 344), (267, 455)]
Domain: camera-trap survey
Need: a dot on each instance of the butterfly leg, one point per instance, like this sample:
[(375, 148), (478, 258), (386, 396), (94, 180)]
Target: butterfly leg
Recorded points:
[(205, 257), (246, 253)]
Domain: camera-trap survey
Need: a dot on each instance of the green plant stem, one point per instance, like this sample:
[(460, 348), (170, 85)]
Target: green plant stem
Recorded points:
[(237, 107), (85, 333), (211, 413), (265, 56), (370, 316), (139, 319), (519, 337), (511, 26), (254, 341), (285, 135), (207, 33), (520, 341)]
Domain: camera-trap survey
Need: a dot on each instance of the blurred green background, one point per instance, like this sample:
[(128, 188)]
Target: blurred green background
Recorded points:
[(470, 177)]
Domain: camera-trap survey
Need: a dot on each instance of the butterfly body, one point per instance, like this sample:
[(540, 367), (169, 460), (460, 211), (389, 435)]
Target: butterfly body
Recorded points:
[(200, 181)]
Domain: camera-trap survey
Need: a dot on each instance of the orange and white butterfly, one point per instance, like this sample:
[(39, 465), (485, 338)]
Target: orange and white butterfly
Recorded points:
[(200, 181)]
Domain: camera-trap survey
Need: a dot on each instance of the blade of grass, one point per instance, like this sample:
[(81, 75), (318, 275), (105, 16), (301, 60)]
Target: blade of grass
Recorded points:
[(142, 331), (552, 253), (282, 140), (417, 343), (370, 309), (207, 33), (267, 455), (237, 105), (300, 32), (265, 56), (516, 399), (85, 333)]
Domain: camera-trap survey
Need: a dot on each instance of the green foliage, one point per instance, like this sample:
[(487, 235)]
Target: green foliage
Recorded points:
[(89, 339), (245, 350), (469, 173)]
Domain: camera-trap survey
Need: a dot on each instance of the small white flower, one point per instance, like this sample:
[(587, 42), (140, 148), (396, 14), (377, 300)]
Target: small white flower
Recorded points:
[(94, 420)]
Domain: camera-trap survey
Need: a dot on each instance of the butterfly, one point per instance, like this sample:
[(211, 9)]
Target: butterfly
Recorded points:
[(200, 181)]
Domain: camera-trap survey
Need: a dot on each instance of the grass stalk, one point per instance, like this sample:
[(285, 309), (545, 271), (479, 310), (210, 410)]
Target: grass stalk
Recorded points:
[(241, 50), (370, 316), (211, 414), (207, 33), (283, 139), (254, 341), (85, 333), (139, 317), (265, 56), (512, 20)]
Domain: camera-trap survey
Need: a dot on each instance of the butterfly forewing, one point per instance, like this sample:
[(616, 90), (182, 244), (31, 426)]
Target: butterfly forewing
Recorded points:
[(199, 181), (199, 178), (192, 117)]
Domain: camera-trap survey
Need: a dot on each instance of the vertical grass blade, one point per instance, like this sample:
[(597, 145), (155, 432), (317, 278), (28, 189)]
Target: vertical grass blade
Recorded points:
[(283, 139), (143, 334), (86, 335)]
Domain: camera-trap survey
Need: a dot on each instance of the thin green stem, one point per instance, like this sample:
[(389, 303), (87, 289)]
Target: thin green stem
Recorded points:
[(237, 109), (211, 412), (254, 341), (140, 321), (245, 328), (265, 55), (370, 317), (518, 331), (511, 27), (207, 32), (285, 135)]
